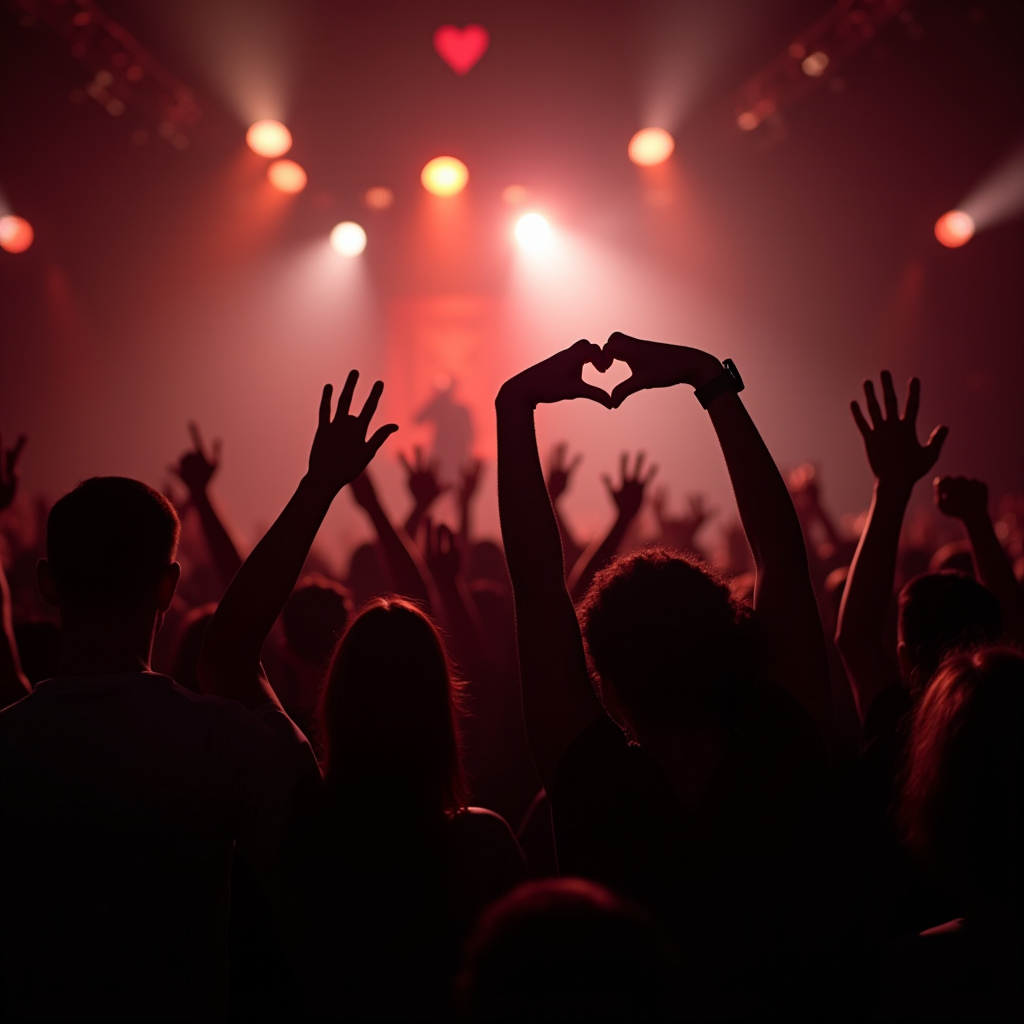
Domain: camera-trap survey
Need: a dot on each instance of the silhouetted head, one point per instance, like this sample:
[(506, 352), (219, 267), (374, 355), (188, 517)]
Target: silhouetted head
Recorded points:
[(667, 641), (188, 645), (314, 617), (389, 716), (956, 557), (940, 613), (110, 544), (964, 786), (568, 950)]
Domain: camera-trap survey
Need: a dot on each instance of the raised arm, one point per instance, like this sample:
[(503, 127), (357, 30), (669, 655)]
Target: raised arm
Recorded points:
[(421, 479), (13, 683), (898, 461), (230, 661), (783, 594), (558, 478), (469, 484), (444, 560), (195, 469), (409, 575), (629, 499), (967, 500), (558, 701)]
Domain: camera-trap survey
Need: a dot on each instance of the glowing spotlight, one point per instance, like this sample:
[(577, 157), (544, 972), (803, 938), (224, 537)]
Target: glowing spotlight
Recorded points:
[(954, 229), (16, 233), (814, 64), (348, 238), (532, 232), (378, 198), (514, 195), (287, 176), (445, 176), (269, 138), (651, 146)]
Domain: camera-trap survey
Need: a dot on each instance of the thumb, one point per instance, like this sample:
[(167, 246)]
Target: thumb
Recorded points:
[(937, 440), (595, 394), (380, 435), (624, 389)]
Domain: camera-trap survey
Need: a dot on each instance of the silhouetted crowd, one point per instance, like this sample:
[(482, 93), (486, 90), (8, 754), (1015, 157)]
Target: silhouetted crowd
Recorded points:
[(629, 780)]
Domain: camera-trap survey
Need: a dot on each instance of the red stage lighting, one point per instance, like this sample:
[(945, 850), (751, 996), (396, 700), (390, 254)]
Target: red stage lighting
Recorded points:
[(445, 176), (954, 229), (287, 176), (16, 233), (651, 146), (348, 238), (269, 138), (378, 198)]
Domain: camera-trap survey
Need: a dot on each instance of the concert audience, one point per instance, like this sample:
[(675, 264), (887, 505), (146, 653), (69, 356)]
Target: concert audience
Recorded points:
[(752, 817)]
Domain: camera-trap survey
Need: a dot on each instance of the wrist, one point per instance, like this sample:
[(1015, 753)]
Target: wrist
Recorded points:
[(317, 492), (705, 368), (511, 399), (892, 489)]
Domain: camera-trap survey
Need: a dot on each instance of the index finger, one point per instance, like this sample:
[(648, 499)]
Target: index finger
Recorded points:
[(345, 398)]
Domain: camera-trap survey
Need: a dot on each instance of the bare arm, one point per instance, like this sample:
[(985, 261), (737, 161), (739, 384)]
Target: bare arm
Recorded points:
[(629, 499), (558, 478), (898, 462), (783, 594), (13, 683), (463, 620), (469, 484), (558, 701), (230, 662), (408, 574), (195, 469), (421, 479), (967, 500)]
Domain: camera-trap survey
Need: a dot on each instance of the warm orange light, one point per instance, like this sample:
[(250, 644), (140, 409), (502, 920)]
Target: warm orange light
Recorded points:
[(16, 233), (514, 195), (954, 229), (532, 232), (269, 138), (348, 238), (814, 64), (287, 176), (445, 176), (651, 146), (378, 198)]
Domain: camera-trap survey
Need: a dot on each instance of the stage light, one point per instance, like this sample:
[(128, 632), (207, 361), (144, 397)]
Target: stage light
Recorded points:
[(378, 198), (444, 176), (954, 229), (532, 232), (348, 238), (514, 195), (16, 233), (814, 64), (651, 146), (287, 176), (269, 138)]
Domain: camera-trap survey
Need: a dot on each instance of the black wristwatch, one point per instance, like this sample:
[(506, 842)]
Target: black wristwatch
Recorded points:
[(728, 380)]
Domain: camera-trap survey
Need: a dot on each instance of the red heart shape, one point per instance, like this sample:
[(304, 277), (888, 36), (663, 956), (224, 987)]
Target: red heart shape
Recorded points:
[(461, 48)]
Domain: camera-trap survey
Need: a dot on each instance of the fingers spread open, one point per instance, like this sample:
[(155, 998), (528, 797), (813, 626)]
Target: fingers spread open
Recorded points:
[(380, 436), (345, 398), (913, 400), (858, 418), (325, 405), (197, 441), (874, 411), (892, 409), (370, 407)]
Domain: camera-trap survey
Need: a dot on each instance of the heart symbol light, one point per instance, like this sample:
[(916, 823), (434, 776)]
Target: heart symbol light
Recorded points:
[(461, 48)]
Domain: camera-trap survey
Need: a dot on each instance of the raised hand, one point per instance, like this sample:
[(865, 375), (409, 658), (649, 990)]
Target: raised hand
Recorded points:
[(442, 553), (195, 468), (9, 470), (680, 532), (891, 443), (961, 497), (629, 495), (656, 365), (560, 472), (559, 378), (421, 479), (340, 449)]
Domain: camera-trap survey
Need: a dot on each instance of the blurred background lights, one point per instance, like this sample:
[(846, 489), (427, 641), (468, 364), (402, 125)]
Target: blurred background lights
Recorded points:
[(287, 176), (269, 138), (954, 229), (378, 198), (444, 176), (348, 238), (532, 231), (814, 64), (651, 146), (16, 233), (514, 195)]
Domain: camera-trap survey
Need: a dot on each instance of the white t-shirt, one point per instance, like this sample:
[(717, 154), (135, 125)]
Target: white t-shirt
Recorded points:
[(122, 798)]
